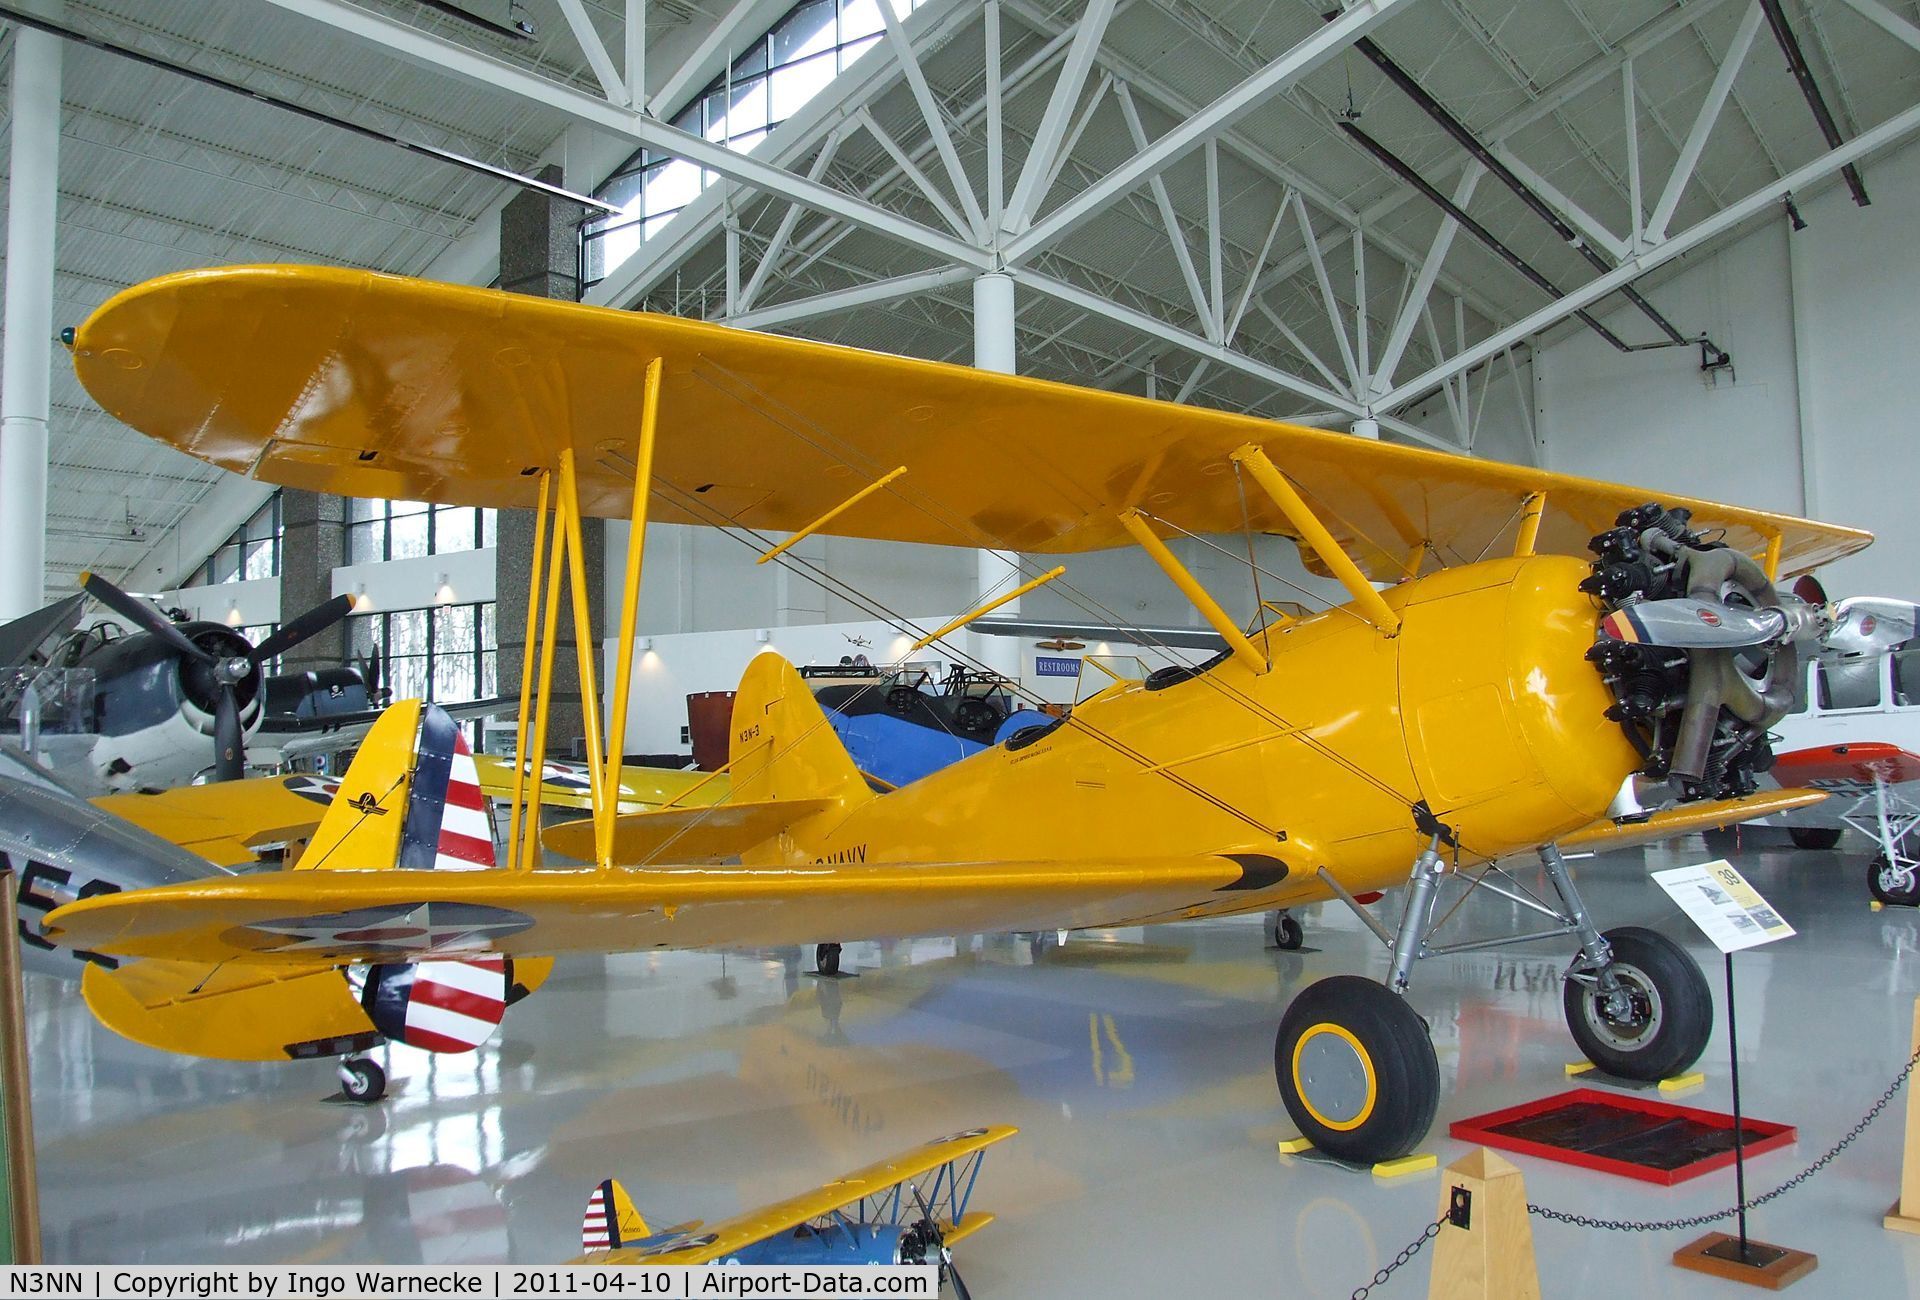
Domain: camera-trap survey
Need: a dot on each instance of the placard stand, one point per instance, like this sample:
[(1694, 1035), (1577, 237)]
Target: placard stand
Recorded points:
[(1740, 1258)]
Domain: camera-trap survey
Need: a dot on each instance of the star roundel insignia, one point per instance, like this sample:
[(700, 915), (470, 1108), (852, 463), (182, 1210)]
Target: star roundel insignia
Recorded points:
[(400, 931), (320, 789)]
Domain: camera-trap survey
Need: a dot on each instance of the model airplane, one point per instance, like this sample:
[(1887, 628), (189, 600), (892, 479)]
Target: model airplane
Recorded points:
[(1464, 715), (878, 1215), (427, 814)]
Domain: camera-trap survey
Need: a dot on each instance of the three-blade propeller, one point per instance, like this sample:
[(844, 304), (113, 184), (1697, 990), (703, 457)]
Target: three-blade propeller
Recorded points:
[(226, 671)]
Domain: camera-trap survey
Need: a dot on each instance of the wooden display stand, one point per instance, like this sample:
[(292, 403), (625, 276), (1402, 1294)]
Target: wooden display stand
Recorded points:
[(1905, 1214), (20, 1194), (1491, 1258)]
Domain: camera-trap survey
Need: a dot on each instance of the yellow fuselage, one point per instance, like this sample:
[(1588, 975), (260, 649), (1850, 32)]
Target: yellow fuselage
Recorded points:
[(1483, 706)]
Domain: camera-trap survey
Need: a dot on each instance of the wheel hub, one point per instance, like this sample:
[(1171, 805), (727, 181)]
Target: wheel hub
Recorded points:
[(1334, 1077), (1629, 1015)]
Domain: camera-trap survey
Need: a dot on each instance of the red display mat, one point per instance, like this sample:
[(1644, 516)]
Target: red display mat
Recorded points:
[(1635, 1137)]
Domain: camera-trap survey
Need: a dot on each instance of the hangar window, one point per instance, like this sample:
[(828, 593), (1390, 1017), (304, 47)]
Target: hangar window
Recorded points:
[(400, 530), (252, 552), (770, 81), (448, 654)]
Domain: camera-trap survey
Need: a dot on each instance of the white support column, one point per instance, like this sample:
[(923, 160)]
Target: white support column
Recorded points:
[(32, 189), (1637, 215), (993, 349), (636, 49)]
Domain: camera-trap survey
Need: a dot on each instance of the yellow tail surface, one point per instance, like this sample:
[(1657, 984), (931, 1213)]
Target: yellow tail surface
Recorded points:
[(783, 747), (361, 830)]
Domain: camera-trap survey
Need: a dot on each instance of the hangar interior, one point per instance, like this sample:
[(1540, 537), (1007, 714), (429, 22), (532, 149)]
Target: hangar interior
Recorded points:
[(1643, 241)]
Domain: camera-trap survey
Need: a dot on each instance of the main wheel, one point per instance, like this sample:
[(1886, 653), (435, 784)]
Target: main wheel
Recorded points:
[(1286, 933), (1891, 885), (1356, 1070), (826, 959), (1669, 1012), (1814, 837), (363, 1081)]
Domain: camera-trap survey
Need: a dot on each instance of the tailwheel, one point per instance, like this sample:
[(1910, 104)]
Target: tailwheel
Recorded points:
[(1655, 1020), (1357, 1070), (1898, 884), (1284, 932), (1816, 838), (826, 959), (363, 1080)]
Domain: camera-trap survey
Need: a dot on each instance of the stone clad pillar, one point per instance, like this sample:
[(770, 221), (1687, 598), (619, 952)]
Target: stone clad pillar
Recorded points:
[(539, 239), (313, 544)]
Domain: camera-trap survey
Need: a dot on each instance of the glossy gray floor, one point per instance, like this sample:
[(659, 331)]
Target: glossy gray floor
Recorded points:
[(1138, 1065)]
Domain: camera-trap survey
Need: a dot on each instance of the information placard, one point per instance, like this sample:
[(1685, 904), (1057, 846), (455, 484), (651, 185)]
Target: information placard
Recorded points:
[(1728, 910)]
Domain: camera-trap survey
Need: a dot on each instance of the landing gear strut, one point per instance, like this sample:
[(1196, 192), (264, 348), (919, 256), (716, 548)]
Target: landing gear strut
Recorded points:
[(1356, 1067), (362, 1080)]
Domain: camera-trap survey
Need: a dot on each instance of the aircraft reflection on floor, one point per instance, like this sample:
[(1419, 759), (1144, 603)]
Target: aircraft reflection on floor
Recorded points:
[(715, 1082)]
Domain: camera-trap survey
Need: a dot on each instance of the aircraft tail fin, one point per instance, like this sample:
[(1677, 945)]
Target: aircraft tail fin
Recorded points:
[(783, 747), (611, 1221), (411, 799)]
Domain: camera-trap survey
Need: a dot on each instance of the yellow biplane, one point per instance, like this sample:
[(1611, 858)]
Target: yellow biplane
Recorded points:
[(1526, 658)]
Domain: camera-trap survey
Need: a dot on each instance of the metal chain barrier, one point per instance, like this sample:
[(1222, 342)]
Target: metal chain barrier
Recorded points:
[(1701, 1220), (1669, 1225), (1412, 1249)]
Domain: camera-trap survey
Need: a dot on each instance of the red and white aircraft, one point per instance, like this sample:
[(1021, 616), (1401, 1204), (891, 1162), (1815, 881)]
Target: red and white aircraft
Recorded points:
[(1856, 735)]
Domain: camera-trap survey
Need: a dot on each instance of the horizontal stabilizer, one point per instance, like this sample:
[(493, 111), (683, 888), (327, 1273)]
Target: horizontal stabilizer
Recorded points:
[(232, 1013), (1601, 837), (716, 834)]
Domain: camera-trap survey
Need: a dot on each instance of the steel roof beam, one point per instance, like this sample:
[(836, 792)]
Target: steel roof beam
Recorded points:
[(454, 60), (1893, 129), (1324, 44)]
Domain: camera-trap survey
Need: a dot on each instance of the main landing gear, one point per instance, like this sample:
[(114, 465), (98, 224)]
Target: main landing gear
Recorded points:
[(1356, 1066), (362, 1080)]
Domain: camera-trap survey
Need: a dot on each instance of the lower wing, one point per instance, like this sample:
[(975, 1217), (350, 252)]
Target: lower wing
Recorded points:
[(1604, 836), (387, 916)]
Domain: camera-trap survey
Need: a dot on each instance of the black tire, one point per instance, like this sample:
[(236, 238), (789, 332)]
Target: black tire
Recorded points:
[(363, 1081), (1722, 840), (1885, 884), (1672, 1009), (1356, 1070), (1815, 838), (1286, 934), (826, 959)]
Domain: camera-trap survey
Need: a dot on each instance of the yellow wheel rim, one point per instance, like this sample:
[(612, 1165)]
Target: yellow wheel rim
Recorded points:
[(1326, 1055)]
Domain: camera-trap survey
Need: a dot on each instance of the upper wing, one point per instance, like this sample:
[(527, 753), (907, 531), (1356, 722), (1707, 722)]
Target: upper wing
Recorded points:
[(374, 916), (718, 1240), (1603, 836), (369, 385), (226, 821)]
